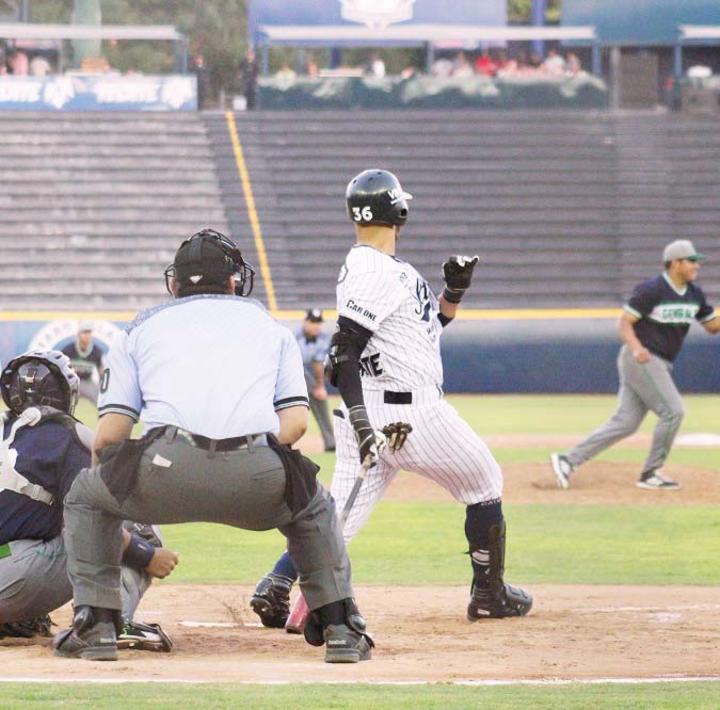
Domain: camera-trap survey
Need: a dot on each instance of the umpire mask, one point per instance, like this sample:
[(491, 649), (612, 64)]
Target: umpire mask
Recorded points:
[(203, 263)]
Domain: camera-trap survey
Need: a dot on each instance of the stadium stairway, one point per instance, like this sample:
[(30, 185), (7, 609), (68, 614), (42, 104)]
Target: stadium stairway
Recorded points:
[(94, 205)]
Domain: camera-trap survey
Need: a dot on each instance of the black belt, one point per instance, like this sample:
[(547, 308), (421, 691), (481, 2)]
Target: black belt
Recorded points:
[(397, 397), (232, 444)]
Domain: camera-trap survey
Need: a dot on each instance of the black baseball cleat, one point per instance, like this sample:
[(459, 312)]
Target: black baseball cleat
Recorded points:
[(92, 636), (344, 645), (271, 601), (144, 637), (488, 604)]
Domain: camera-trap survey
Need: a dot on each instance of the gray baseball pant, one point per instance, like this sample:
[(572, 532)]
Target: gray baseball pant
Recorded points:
[(643, 388), (89, 389), (34, 581), (321, 412), (179, 483)]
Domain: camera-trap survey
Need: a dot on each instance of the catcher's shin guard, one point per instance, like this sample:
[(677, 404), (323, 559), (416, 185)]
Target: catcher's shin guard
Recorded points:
[(92, 636), (144, 637), (271, 601), (492, 597)]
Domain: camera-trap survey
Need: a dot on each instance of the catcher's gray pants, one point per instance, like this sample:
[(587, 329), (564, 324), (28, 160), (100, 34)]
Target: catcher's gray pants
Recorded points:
[(642, 387), (34, 581), (179, 483), (321, 412)]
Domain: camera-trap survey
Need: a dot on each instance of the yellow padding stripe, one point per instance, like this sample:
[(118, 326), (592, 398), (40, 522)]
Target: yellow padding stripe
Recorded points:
[(252, 211), (463, 314)]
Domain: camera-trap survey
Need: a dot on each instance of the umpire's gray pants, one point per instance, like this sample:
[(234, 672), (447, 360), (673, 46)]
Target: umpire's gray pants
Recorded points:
[(321, 412), (179, 483), (34, 581), (642, 387)]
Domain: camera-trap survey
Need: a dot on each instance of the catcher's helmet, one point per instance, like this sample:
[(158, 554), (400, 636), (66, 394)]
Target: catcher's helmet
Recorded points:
[(40, 378), (376, 197), (206, 260)]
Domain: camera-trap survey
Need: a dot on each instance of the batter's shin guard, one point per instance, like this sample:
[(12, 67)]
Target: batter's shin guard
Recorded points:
[(494, 598)]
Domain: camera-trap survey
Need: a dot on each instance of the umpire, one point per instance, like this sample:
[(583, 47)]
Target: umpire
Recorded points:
[(219, 385)]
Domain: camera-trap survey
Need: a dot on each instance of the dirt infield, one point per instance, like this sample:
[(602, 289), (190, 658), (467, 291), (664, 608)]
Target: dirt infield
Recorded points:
[(574, 632)]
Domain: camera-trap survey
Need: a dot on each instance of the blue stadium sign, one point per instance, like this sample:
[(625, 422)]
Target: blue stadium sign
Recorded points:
[(98, 93), (377, 14)]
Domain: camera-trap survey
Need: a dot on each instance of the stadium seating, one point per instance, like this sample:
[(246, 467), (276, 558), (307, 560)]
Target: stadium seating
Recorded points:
[(93, 206), (565, 208)]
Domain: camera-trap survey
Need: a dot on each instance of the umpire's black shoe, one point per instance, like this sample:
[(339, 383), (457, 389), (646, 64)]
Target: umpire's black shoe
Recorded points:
[(93, 635), (509, 601), (271, 601), (343, 645)]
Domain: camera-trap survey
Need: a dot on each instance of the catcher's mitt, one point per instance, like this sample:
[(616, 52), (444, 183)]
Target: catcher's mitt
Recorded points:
[(396, 435)]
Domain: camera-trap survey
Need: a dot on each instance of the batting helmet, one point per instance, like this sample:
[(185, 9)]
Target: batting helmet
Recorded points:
[(205, 260), (376, 197), (40, 378)]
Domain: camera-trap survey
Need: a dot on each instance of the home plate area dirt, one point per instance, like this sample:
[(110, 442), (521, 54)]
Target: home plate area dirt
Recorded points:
[(573, 632)]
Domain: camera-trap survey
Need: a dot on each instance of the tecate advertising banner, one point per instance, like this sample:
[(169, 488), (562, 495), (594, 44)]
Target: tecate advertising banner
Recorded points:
[(98, 93)]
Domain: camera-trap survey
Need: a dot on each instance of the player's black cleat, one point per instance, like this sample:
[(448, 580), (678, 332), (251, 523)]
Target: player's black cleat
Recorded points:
[(92, 636), (27, 629), (271, 601), (144, 637), (344, 645), (488, 604)]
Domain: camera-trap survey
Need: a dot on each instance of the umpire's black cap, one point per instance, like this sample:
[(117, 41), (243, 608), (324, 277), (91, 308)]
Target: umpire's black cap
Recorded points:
[(314, 315)]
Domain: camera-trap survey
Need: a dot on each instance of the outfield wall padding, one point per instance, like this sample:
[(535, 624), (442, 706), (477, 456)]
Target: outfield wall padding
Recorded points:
[(509, 355)]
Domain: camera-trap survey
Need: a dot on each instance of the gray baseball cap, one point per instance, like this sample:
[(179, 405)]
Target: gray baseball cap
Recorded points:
[(681, 249)]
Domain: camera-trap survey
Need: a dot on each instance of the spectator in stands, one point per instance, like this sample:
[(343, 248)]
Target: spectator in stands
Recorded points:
[(40, 66), (462, 68), (376, 66), (19, 65), (442, 68), (198, 67), (554, 64), (484, 64), (312, 67), (285, 74), (535, 62), (249, 72), (573, 67)]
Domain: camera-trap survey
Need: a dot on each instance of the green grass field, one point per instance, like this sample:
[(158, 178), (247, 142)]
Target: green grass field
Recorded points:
[(546, 544)]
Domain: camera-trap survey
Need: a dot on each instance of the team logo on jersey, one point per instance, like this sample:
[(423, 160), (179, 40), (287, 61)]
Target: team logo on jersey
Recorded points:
[(377, 13), (370, 366), (675, 313), (424, 300)]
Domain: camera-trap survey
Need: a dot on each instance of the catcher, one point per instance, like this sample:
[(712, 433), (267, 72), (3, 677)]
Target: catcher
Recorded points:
[(43, 448)]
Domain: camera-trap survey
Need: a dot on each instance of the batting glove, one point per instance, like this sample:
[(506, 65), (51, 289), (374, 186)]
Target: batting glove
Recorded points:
[(371, 442), (457, 274)]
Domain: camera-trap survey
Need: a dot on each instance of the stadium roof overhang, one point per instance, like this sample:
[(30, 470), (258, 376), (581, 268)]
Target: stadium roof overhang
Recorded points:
[(23, 30), (693, 34), (414, 35)]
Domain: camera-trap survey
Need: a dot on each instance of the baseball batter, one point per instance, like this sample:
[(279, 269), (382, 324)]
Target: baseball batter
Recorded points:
[(652, 328), (385, 359)]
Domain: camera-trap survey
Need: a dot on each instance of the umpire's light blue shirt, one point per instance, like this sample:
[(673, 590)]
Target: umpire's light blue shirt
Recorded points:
[(214, 365), (312, 351)]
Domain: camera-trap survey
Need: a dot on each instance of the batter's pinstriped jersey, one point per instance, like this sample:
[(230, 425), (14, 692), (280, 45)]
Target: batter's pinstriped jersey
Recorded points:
[(390, 298)]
